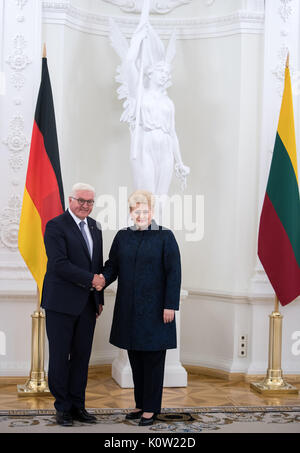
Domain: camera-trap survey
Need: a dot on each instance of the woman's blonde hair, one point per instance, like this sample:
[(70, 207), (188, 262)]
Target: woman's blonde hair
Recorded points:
[(141, 196)]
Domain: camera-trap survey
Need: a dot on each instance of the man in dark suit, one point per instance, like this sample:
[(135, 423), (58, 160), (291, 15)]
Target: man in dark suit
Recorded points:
[(73, 244)]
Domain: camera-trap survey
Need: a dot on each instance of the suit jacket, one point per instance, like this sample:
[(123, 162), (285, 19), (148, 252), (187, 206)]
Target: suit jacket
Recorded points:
[(70, 269), (147, 265)]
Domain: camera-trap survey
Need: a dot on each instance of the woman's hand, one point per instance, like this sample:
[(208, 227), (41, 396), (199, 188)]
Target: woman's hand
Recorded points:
[(168, 315), (98, 282)]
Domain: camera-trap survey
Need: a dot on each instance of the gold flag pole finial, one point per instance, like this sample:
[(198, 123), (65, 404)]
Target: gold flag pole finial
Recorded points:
[(44, 51)]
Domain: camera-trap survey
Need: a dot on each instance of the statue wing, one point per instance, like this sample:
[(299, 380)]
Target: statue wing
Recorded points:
[(117, 40), (121, 46), (171, 50)]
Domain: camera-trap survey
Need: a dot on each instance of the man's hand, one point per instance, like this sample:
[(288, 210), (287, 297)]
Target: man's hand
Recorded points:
[(100, 311), (98, 282), (168, 315)]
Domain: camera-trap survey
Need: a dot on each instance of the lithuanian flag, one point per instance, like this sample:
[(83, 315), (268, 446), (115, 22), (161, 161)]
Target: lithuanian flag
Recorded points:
[(279, 232), (43, 195)]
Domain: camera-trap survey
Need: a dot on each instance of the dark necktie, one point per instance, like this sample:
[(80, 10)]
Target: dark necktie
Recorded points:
[(81, 224)]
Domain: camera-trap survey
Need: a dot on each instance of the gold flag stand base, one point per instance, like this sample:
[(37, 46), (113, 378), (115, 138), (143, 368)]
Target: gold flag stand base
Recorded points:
[(274, 384), (37, 384), (34, 387), (267, 388)]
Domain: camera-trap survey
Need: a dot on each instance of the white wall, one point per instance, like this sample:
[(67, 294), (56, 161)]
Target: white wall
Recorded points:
[(216, 90), (221, 94)]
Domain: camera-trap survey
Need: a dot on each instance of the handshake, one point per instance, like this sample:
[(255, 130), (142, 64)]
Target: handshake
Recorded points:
[(98, 282)]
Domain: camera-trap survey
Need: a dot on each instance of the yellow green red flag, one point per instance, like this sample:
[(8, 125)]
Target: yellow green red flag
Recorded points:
[(279, 231)]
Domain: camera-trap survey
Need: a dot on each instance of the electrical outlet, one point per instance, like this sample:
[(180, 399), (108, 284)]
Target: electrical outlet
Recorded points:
[(243, 345)]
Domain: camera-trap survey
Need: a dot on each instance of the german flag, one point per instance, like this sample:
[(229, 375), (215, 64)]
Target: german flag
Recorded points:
[(279, 232), (43, 195)]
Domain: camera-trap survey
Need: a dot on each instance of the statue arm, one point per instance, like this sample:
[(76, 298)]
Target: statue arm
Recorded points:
[(176, 149), (181, 170), (132, 58)]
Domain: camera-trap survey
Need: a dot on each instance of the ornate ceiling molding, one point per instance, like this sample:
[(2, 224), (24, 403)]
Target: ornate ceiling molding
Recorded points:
[(240, 22), (157, 6)]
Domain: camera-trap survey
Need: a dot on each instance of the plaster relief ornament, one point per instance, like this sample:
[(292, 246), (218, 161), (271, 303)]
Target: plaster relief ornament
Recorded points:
[(144, 76), (9, 223), (156, 6)]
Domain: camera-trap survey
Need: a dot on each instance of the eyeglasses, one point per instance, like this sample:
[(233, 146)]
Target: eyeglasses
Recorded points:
[(137, 213), (81, 201)]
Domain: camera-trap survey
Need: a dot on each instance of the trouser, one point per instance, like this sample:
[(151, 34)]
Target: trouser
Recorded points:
[(70, 344), (148, 376)]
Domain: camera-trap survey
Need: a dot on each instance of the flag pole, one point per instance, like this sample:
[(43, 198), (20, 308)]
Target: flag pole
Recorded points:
[(274, 383), (37, 384)]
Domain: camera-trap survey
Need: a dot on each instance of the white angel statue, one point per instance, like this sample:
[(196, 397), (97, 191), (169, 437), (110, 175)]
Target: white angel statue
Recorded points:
[(144, 75)]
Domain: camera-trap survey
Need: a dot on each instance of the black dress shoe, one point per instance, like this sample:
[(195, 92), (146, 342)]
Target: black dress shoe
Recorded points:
[(81, 415), (147, 421), (134, 415), (64, 418)]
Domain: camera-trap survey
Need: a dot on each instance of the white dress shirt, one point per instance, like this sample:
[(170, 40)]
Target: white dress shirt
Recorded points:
[(86, 228)]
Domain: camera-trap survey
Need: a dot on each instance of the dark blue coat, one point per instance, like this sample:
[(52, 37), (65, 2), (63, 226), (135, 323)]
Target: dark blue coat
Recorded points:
[(147, 265), (70, 270)]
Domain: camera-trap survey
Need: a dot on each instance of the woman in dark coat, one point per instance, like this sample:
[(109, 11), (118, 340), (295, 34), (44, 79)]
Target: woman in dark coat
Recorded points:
[(146, 260)]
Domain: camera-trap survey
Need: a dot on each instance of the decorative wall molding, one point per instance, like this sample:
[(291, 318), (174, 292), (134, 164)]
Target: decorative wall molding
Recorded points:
[(21, 3), (285, 9), (209, 2), (157, 6), (287, 14), (14, 271), (9, 223), (265, 296), (239, 22), (15, 136), (18, 60), (16, 141)]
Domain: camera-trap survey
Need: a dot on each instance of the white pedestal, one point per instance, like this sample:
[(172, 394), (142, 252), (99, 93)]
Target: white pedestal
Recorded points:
[(175, 374)]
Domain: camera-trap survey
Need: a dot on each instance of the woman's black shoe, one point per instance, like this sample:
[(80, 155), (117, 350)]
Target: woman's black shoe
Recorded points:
[(134, 415), (147, 421)]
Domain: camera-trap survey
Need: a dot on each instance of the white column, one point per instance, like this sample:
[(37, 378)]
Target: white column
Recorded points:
[(20, 66), (175, 374)]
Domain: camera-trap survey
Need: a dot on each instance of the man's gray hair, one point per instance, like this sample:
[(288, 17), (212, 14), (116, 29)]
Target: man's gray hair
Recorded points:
[(81, 186)]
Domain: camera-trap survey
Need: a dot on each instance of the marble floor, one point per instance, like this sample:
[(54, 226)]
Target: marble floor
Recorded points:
[(104, 392)]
